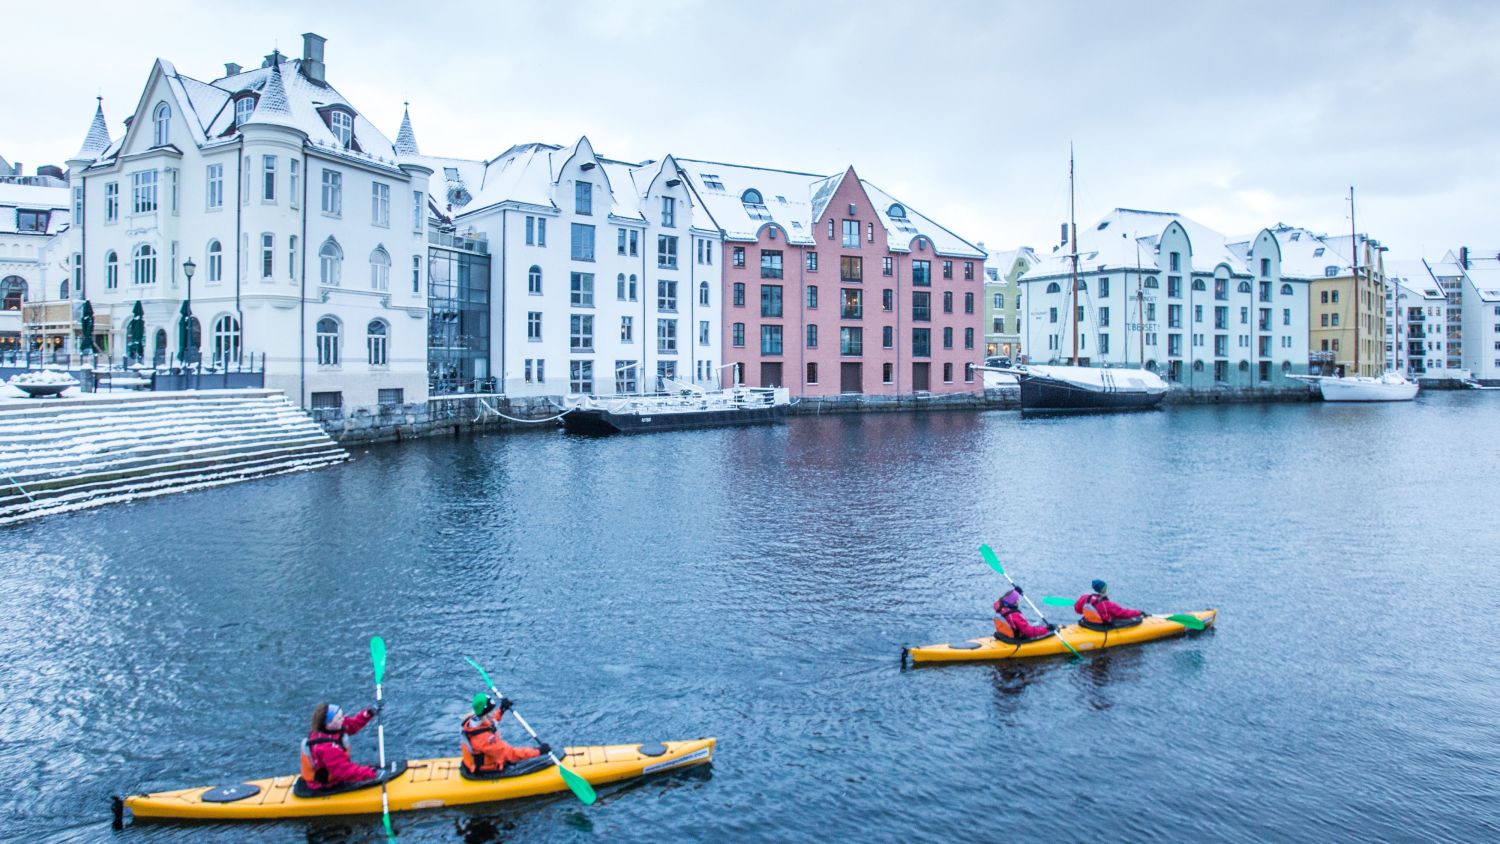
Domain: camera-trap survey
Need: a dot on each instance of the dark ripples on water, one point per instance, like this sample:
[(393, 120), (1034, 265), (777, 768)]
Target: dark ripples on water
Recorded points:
[(758, 584)]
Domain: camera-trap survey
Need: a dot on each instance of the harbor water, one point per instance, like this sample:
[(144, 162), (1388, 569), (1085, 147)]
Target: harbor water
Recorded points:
[(758, 585)]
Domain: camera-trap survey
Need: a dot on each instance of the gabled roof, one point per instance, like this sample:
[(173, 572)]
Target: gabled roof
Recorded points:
[(1127, 238)]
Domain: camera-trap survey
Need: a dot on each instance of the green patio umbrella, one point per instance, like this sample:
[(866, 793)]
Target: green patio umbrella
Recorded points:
[(135, 333), (86, 329), (187, 335)]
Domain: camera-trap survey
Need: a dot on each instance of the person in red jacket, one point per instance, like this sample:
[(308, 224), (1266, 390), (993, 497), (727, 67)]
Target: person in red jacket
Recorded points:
[(1097, 609), (325, 753), (1011, 624), (483, 749)]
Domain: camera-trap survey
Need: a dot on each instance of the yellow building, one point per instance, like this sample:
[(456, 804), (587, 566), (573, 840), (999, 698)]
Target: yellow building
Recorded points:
[(1338, 309)]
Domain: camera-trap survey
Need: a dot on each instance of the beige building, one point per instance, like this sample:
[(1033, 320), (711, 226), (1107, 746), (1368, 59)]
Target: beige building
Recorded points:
[(1345, 320)]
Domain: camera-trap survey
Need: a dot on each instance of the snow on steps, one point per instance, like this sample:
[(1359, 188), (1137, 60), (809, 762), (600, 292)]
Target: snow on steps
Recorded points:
[(69, 454)]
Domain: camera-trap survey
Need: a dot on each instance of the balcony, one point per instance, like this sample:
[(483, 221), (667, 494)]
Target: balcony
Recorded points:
[(770, 272)]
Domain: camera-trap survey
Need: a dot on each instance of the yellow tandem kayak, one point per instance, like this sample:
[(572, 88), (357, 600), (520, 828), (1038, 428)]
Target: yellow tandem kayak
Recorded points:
[(1154, 627), (424, 784)]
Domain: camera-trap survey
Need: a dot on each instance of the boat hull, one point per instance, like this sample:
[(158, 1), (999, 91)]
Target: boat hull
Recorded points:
[(426, 784), (1052, 394), (1366, 390), (990, 648), (599, 421)]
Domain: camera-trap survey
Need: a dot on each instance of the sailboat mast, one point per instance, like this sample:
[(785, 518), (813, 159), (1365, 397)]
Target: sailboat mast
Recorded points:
[(1073, 236), (1140, 302), (1354, 253)]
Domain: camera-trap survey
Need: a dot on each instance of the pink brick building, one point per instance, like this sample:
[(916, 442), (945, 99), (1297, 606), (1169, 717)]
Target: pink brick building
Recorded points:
[(833, 286)]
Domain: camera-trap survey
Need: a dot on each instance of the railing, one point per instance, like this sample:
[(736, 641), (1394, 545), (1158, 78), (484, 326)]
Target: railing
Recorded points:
[(105, 374)]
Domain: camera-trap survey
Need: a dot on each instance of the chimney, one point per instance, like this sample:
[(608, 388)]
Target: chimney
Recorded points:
[(269, 60), (17, 165), (312, 57), (1463, 257), (231, 69)]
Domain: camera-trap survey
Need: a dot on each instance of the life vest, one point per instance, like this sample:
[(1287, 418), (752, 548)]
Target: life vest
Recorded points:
[(1089, 613), (473, 759), (312, 772), (1004, 628)]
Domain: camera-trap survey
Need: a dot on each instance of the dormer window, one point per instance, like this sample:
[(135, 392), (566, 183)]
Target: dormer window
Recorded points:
[(243, 108), (755, 205), (896, 212), (163, 119), (342, 124)]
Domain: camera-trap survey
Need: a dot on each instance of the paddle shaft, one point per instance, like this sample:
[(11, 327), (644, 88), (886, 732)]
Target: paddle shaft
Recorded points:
[(522, 721), (377, 658)]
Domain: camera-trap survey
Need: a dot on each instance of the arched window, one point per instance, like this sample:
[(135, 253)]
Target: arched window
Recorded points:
[(159, 347), (896, 212), (380, 269), (111, 270), (163, 118), (328, 341), (1199, 285), (1083, 284), (377, 335), (243, 108), (215, 261), (62, 291), (226, 348), (342, 124), (13, 291), (1197, 366), (1244, 287), (620, 287), (1286, 290), (752, 197), (534, 280), (703, 293), (1151, 366), (1286, 366), (1244, 366), (1054, 288), (1151, 283), (144, 264), (330, 262)]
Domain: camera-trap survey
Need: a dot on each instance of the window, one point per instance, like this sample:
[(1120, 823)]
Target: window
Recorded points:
[(851, 268), (328, 341), (1174, 261), (921, 273), (1330, 271), (581, 332), (1286, 290), (921, 342), (948, 338), (582, 242), (770, 263), (581, 290), (887, 337), (812, 262), (812, 336), (887, 300), (703, 332), (739, 294), (245, 180), (267, 255), (998, 325), (333, 193), (969, 272), (851, 341), (1104, 317), (1221, 317), (830, 230), (669, 212), (294, 176), (737, 335), (619, 241), (968, 303), (921, 306), (947, 269), (1199, 285), (111, 202), (111, 271), (226, 340), (770, 339), (947, 373), (583, 198), (162, 117), (1335, 319), (666, 251), (268, 178), (243, 108), (666, 335), (947, 301), (534, 326), (530, 230), (854, 303), (28, 220), (770, 300), (330, 263), (812, 297), (812, 372), (376, 342), (77, 264), (969, 339), (416, 270), (666, 295), (703, 292), (143, 192), (1052, 314), (144, 262), (1197, 313), (870, 229), (851, 234), (1174, 286), (755, 205), (342, 124), (1335, 296), (712, 182), (581, 376), (739, 256), (215, 188), (380, 269), (626, 380), (380, 204), (887, 266)]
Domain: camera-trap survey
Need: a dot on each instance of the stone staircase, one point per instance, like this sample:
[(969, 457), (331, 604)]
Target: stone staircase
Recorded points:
[(58, 455)]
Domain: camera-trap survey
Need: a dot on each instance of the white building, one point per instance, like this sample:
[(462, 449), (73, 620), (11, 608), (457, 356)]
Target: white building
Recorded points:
[(307, 233), (605, 275), (35, 262), (1416, 320), (1481, 314), (1158, 287)]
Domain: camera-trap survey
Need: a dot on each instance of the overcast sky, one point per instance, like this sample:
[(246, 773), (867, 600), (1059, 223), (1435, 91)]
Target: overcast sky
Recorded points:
[(1239, 115)]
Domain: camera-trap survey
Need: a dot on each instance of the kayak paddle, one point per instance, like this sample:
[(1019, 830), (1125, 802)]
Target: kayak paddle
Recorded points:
[(1192, 622), (377, 658), (994, 562), (576, 783)]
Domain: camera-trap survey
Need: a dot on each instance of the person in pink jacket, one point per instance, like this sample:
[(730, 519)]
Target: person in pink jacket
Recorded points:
[(325, 753), (1109, 613), (1011, 623)]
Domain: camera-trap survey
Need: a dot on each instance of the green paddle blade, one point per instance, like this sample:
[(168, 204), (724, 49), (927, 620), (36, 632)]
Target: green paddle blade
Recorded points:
[(1192, 622), (578, 784), (482, 672), (377, 656), (989, 557), (390, 833), (1057, 601)]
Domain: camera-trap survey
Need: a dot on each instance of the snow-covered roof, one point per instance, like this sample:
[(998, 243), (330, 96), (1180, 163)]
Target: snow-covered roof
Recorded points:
[(15, 195), (406, 139), (1486, 280), (97, 139), (1127, 238), (1308, 254), (1415, 279)]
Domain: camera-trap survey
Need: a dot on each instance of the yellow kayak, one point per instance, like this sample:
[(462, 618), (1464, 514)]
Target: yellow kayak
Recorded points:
[(424, 784), (1081, 638)]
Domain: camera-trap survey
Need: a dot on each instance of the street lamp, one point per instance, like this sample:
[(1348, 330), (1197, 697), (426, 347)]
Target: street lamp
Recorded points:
[(187, 269)]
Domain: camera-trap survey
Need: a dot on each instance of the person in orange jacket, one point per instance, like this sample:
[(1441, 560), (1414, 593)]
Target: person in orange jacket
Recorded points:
[(483, 749)]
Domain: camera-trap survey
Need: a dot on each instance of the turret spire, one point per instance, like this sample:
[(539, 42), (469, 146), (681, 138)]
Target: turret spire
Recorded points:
[(97, 140), (406, 140)]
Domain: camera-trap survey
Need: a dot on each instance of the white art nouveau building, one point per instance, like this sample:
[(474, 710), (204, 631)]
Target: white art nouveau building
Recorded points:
[(306, 229)]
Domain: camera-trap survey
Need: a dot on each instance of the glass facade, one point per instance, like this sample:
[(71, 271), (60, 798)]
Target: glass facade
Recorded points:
[(458, 325)]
